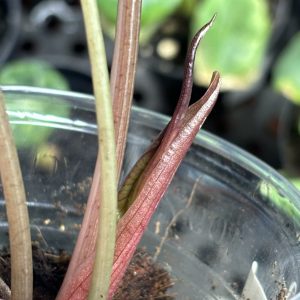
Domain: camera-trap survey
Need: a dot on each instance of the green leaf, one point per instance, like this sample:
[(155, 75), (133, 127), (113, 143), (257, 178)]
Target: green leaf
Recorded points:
[(296, 182), (237, 43), (32, 73), (187, 7), (286, 74), (38, 74), (279, 201), (27, 114), (154, 13)]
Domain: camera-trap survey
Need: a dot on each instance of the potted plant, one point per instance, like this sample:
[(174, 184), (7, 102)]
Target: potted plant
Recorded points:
[(162, 159)]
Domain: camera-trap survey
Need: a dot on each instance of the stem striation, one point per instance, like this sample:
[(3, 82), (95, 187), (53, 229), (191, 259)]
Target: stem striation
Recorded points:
[(123, 70), (107, 216), (17, 212)]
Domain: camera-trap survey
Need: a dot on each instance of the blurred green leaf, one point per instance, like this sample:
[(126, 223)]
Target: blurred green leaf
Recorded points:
[(38, 74), (236, 44), (187, 7), (32, 117), (286, 74), (279, 201), (154, 13), (32, 73), (296, 182)]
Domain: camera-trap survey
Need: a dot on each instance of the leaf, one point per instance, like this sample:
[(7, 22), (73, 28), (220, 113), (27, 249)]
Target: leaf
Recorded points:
[(32, 111), (286, 73), (236, 45), (32, 73), (171, 130), (145, 185), (37, 74), (295, 182), (279, 201), (154, 13), (149, 190)]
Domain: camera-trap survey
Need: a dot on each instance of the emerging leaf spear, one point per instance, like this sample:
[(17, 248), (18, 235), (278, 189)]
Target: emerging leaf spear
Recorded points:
[(147, 182)]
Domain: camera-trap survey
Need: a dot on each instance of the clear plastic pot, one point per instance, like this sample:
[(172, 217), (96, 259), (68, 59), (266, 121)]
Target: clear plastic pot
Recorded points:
[(224, 209)]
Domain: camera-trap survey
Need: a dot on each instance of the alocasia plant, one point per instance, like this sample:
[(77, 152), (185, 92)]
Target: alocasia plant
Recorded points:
[(97, 264), (144, 186)]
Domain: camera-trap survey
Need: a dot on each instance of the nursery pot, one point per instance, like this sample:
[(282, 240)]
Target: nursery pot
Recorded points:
[(223, 211)]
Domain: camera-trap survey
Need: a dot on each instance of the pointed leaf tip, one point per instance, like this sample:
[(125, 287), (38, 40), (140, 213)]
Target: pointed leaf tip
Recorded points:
[(187, 85)]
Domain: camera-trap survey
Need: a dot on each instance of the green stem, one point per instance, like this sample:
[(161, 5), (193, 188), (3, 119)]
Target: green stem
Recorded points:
[(17, 213), (108, 181)]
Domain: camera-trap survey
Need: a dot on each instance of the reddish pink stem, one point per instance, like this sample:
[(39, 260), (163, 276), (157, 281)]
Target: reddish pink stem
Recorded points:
[(133, 224)]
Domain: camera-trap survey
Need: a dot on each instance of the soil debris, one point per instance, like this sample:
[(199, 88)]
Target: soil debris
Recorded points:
[(49, 268), (144, 279)]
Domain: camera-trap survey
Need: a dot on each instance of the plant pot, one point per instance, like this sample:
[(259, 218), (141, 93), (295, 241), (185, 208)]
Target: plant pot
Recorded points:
[(224, 209)]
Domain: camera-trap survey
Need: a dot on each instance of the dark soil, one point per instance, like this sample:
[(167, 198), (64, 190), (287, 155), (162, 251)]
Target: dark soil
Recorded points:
[(144, 279), (49, 268)]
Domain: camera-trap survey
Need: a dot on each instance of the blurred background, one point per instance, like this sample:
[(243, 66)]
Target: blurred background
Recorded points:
[(255, 44)]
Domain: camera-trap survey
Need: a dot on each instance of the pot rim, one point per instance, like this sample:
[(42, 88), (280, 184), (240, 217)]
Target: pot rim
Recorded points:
[(207, 140)]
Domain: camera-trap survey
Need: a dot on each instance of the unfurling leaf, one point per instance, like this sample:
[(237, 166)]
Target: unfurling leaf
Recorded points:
[(149, 179), (158, 146), (148, 191)]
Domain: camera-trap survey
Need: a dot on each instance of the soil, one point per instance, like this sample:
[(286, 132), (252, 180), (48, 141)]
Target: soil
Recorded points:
[(144, 279), (49, 267), (283, 292)]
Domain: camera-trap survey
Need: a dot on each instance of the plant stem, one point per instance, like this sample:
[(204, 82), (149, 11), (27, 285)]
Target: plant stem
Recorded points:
[(123, 70), (108, 179), (17, 213)]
